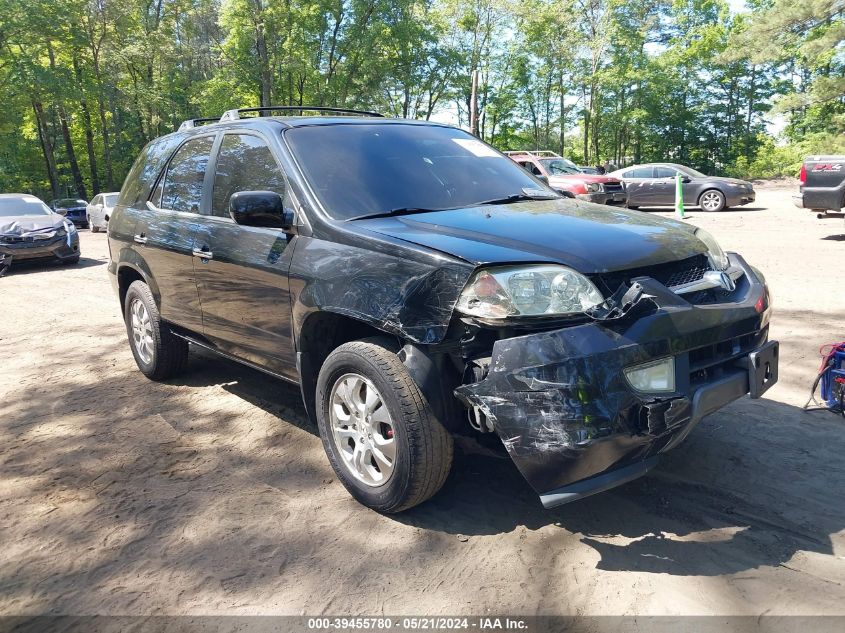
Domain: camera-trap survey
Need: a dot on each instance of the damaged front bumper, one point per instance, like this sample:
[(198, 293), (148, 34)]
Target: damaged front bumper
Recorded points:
[(568, 417)]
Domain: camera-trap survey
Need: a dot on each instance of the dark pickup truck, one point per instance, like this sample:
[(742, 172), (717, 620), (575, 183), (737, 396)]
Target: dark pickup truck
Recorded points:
[(822, 184)]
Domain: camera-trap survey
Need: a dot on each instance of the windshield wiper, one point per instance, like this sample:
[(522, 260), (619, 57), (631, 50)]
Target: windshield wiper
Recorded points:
[(526, 194), (396, 211)]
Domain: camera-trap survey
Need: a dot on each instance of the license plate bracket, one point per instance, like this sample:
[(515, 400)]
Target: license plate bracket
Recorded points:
[(763, 368)]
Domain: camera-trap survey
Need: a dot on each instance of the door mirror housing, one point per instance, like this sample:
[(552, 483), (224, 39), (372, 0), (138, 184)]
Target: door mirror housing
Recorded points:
[(686, 179), (260, 208), (542, 178)]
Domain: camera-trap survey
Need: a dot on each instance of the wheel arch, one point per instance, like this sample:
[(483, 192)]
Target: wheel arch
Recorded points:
[(128, 272), (320, 334), (323, 332)]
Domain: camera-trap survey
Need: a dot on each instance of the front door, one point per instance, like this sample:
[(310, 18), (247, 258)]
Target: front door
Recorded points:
[(242, 271)]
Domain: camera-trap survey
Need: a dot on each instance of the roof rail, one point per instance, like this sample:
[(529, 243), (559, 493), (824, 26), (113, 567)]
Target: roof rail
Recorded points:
[(234, 115), (192, 123), (539, 153)]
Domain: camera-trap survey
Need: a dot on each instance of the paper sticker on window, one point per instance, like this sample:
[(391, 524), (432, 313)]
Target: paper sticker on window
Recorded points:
[(476, 147)]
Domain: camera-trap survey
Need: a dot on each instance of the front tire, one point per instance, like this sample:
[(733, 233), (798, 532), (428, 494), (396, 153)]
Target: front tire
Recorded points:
[(158, 353), (712, 201), (381, 437), (94, 227)]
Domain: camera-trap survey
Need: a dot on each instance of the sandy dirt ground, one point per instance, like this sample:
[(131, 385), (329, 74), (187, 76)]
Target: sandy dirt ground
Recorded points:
[(211, 494)]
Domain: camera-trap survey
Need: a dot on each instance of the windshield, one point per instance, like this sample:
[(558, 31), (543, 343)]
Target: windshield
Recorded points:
[(11, 207), (361, 169), (110, 199), (69, 202), (560, 166), (689, 171)]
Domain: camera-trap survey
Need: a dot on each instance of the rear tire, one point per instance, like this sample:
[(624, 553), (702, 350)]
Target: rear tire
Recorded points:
[(158, 353), (369, 409)]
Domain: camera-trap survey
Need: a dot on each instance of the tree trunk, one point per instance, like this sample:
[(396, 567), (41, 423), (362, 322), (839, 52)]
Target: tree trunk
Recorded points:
[(46, 148), (89, 134), (78, 182)]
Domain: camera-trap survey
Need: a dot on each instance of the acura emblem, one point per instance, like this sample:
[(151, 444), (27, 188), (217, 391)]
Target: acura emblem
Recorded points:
[(722, 279), (726, 282)]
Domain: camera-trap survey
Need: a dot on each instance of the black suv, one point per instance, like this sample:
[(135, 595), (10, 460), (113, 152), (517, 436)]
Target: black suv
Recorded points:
[(421, 287)]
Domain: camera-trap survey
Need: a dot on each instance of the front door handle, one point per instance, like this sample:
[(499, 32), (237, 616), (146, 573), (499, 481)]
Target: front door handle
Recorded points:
[(203, 254), (141, 238)]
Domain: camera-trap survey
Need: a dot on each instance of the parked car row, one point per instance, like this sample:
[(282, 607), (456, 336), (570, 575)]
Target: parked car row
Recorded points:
[(566, 177), (651, 184)]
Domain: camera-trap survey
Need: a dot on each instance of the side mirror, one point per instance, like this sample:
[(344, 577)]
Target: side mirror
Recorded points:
[(260, 208), (542, 178), (686, 179), (61, 211)]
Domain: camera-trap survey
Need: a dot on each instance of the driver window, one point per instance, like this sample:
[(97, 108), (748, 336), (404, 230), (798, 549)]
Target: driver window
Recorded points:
[(244, 163)]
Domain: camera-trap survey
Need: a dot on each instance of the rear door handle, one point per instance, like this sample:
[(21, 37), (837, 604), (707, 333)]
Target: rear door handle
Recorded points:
[(203, 254), (141, 238)]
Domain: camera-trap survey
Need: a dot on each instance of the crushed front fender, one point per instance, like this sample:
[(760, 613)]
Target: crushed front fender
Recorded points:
[(561, 404)]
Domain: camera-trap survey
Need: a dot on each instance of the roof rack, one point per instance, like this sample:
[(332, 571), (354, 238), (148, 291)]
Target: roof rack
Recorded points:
[(192, 123), (234, 115), (542, 153)]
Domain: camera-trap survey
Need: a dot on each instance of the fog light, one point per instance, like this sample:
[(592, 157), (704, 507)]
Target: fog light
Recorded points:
[(655, 375)]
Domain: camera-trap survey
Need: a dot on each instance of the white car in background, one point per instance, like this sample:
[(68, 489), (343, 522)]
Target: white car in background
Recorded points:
[(99, 210)]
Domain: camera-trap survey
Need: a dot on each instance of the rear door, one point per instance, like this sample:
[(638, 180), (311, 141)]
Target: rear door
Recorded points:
[(165, 232), (638, 182), (242, 271)]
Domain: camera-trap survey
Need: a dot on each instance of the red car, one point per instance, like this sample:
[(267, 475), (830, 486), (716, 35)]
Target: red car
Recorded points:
[(565, 176)]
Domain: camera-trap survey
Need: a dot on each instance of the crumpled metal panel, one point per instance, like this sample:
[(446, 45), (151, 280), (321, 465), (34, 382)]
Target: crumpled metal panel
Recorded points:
[(393, 291), (25, 225)]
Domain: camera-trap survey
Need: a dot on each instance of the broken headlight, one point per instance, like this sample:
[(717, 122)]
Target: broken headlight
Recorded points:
[(715, 254), (546, 290)]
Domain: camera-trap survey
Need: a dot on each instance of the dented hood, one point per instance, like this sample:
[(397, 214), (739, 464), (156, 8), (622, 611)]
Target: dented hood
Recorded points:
[(23, 224), (588, 237)]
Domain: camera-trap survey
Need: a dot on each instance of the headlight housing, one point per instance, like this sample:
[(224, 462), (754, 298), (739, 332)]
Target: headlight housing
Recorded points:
[(70, 227), (513, 291), (715, 254), (592, 187)]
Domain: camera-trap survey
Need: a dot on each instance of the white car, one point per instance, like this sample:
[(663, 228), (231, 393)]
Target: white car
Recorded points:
[(99, 210)]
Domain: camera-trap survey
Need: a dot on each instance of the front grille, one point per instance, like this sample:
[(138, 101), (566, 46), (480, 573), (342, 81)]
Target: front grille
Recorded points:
[(613, 187), (688, 276), (15, 240), (669, 274)]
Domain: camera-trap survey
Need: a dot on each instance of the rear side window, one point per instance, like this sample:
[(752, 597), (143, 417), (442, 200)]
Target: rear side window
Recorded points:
[(664, 172), (244, 163), (181, 188), (138, 184)]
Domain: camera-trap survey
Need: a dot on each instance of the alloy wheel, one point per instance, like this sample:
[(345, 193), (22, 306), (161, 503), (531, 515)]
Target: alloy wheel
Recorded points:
[(362, 429), (142, 330), (711, 201)]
